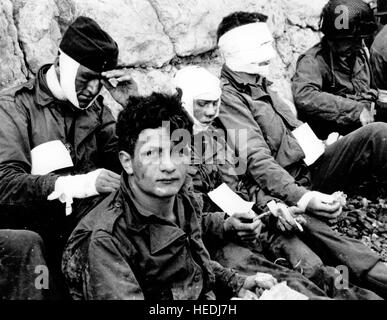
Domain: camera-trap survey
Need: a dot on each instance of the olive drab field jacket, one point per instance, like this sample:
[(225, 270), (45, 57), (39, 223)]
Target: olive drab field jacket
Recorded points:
[(122, 251), (31, 116), (329, 97), (263, 140)]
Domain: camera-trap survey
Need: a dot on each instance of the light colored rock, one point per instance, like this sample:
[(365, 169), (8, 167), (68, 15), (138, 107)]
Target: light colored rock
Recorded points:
[(133, 24), (192, 24), (148, 81), (293, 43), (156, 37), (304, 13), (12, 68), (41, 38)]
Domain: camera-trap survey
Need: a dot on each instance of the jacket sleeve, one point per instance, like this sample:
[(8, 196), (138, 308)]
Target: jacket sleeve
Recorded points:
[(107, 142), (18, 188), (211, 223), (227, 281), (314, 103), (110, 276), (379, 69), (254, 155)]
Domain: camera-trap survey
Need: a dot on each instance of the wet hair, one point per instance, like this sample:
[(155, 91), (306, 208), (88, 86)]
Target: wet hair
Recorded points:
[(238, 19), (149, 112)]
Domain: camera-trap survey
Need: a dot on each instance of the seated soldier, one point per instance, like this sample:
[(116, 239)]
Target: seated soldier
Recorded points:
[(332, 87), (379, 60), (239, 249), (274, 160), (144, 241), (58, 142)]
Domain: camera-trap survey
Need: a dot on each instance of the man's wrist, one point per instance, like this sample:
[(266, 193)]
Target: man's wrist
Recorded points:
[(302, 204)]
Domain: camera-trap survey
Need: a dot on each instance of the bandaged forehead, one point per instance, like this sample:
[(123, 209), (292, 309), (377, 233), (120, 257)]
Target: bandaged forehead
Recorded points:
[(197, 83), (246, 37)]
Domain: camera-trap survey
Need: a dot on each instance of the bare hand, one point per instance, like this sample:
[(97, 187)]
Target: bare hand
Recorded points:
[(107, 181), (120, 85), (244, 226), (325, 206), (260, 280), (367, 115), (289, 218)]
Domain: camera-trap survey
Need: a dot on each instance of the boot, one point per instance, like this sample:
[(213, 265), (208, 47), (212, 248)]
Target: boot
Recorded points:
[(376, 279)]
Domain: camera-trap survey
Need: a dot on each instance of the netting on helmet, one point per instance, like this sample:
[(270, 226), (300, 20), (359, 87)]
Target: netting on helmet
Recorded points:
[(347, 18)]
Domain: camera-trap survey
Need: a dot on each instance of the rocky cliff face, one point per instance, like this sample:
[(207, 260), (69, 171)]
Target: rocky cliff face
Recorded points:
[(155, 36)]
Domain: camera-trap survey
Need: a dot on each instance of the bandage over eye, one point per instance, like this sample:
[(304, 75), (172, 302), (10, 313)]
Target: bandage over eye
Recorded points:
[(68, 71), (247, 46), (197, 83)]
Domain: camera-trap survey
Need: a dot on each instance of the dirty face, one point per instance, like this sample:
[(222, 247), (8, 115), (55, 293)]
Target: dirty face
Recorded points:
[(87, 85), (157, 167)]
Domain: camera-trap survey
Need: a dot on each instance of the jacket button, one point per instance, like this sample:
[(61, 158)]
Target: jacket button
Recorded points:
[(117, 205)]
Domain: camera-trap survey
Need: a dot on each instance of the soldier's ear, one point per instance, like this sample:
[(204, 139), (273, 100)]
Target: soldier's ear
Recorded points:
[(126, 162)]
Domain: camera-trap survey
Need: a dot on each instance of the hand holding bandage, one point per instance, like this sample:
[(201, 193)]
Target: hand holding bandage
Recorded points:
[(323, 205)]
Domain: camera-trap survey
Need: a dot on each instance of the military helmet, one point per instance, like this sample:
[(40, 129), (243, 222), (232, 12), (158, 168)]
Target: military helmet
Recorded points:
[(347, 18), (381, 8)]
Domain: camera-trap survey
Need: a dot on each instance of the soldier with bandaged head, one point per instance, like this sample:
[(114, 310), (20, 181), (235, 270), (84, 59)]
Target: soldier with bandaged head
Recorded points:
[(58, 146)]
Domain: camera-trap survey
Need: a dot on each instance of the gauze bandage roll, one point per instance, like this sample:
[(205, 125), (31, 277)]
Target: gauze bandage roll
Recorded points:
[(197, 83), (245, 48)]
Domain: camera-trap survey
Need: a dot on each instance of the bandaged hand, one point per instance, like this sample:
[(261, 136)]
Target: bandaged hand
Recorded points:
[(82, 186), (320, 204), (245, 227), (259, 280)]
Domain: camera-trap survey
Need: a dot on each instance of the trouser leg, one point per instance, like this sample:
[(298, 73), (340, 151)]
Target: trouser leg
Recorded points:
[(318, 267), (376, 279), (22, 266), (364, 266), (248, 262), (359, 156), (296, 253)]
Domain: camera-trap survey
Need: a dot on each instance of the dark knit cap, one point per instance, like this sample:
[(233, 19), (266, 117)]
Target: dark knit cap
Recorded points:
[(89, 45)]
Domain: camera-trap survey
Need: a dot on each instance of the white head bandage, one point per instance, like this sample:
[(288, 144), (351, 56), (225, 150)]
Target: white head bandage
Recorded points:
[(68, 69), (197, 84), (244, 48)]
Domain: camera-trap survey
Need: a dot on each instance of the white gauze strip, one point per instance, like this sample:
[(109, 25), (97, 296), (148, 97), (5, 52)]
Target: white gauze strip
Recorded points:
[(68, 68), (197, 83), (242, 47)]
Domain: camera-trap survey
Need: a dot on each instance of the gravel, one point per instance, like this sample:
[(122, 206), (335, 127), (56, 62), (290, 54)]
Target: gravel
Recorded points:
[(365, 220)]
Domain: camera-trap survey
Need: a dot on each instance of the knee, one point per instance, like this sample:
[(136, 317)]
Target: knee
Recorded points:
[(20, 240), (377, 130)]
